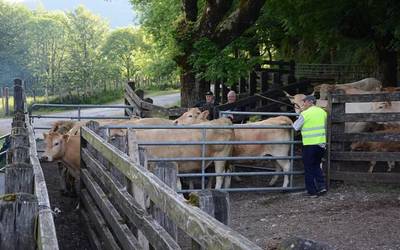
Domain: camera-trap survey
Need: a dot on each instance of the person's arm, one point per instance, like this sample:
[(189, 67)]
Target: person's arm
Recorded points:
[(298, 124)]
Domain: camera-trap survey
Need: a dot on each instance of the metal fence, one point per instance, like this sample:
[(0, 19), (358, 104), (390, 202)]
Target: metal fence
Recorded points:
[(203, 142)]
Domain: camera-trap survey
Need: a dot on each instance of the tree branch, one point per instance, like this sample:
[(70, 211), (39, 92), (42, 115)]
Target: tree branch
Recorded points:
[(239, 21), (190, 10), (213, 13)]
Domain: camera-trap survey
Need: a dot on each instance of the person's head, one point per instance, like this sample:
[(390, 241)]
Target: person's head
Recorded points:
[(231, 96), (209, 97), (309, 101)]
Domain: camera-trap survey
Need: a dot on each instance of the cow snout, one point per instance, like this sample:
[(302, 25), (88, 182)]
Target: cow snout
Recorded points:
[(44, 158), (176, 122)]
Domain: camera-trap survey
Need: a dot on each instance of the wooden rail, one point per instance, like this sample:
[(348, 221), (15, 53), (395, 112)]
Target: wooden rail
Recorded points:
[(339, 155), (122, 216)]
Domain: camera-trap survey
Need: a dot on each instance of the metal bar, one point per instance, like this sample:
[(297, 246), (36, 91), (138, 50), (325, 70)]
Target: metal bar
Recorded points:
[(291, 154), (241, 174), (258, 113), (225, 158), (236, 126), (203, 154), (263, 189), (4, 136), (42, 128), (82, 117), (77, 106), (177, 143), (79, 113)]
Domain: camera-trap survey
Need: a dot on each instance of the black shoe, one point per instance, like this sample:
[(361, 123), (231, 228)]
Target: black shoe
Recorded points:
[(322, 192), (310, 195)]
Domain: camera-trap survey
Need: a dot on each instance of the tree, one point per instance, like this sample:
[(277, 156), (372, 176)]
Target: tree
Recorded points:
[(216, 22)]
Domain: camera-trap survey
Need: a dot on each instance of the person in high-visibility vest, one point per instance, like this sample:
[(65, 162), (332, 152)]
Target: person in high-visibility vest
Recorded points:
[(312, 124)]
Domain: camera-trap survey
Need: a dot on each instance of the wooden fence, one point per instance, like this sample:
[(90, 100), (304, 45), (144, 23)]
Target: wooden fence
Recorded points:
[(341, 161), (128, 206), (26, 220)]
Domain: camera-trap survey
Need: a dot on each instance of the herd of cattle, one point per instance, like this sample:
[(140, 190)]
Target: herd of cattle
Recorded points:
[(63, 140)]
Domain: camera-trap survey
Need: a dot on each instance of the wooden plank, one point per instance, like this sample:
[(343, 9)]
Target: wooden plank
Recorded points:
[(18, 96), (19, 178), (359, 137), (366, 177), (95, 242), (47, 238), (206, 230), (17, 221), (365, 156), (132, 95), (99, 224), (121, 231), (160, 239), (376, 97), (366, 117)]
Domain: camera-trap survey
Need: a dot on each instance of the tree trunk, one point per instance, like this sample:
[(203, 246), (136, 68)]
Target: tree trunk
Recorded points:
[(388, 67), (189, 95)]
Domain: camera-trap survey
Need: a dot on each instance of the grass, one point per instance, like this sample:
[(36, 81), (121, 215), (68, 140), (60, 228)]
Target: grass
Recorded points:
[(152, 93)]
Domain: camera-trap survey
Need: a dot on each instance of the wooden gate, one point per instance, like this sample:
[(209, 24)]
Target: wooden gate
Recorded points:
[(342, 163)]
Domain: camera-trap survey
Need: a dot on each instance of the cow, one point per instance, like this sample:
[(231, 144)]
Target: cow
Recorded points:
[(194, 115), (164, 135), (367, 84), (390, 146)]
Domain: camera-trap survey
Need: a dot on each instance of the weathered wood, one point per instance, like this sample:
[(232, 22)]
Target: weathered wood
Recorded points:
[(365, 156), (94, 241), (19, 140), (366, 177), (46, 236), (6, 106), (121, 231), (215, 203), (361, 137), (18, 96), (19, 178), (120, 143), (17, 221), (210, 233), (19, 131), (365, 117), (166, 172), (138, 216), (376, 97), (99, 224), (18, 155)]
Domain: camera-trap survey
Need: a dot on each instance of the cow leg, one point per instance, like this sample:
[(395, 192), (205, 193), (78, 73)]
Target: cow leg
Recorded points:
[(178, 184), (62, 177), (391, 165), (283, 165), (219, 168), (371, 166), (227, 183), (235, 177)]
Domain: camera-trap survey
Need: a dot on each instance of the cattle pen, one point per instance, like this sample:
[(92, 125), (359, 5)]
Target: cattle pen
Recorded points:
[(128, 204)]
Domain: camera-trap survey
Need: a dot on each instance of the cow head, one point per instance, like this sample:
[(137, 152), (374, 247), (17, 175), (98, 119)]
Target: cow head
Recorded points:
[(296, 100), (381, 106), (192, 116), (55, 146), (359, 146)]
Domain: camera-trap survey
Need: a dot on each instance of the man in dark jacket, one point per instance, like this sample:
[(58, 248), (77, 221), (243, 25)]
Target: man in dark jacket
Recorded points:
[(210, 105)]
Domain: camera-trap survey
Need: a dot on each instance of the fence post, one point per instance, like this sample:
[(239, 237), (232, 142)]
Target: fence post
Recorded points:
[(18, 96), (17, 221), (252, 83), (214, 203), (6, 107)]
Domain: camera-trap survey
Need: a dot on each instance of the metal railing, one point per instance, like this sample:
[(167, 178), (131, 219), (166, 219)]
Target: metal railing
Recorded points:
[(203, 158)]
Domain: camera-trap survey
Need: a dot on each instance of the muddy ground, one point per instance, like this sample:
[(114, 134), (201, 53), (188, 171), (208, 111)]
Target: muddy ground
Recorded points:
[(349, 216)]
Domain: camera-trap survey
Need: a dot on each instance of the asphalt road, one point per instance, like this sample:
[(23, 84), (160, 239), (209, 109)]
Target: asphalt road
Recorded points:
[(163, 100)]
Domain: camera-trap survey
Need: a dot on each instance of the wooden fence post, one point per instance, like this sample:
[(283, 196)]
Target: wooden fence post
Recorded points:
[(17, 221), (6, 107), (214, 203), (18, 96), (19, 178)]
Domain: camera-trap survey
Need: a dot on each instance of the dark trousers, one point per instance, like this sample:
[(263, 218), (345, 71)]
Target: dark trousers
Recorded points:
[(313, 176)]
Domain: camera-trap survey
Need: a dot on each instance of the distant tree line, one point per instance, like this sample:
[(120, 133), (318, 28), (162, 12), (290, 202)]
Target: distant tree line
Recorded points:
[(75, 53)]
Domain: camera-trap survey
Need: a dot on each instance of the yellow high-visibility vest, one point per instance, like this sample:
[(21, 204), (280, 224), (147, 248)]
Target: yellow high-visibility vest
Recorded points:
[(313, 130)]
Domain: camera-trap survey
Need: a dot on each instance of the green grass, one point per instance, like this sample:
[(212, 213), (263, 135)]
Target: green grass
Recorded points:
[(152, 93)]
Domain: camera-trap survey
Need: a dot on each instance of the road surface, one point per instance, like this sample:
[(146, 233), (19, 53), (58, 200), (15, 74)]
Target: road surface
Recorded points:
[(163, 100)]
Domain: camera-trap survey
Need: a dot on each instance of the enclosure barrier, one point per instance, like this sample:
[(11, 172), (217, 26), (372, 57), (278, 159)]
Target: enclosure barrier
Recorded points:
[(26, 221), (116, 209), (338, 142)]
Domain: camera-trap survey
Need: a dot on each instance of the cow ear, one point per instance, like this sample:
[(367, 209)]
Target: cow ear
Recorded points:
[(65, 137), (45, 135), (204, 114)]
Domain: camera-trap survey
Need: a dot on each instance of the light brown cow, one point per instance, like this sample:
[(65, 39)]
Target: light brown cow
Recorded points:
[(165, 135), (391, 146), (193, 116), (367, 84)]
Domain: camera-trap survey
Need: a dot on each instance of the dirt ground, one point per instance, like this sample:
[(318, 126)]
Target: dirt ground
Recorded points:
[(347, 217)]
